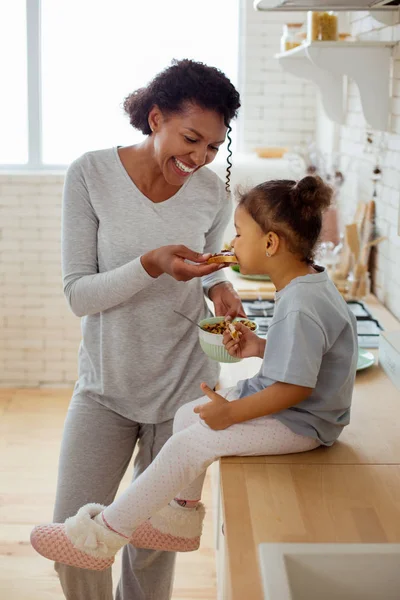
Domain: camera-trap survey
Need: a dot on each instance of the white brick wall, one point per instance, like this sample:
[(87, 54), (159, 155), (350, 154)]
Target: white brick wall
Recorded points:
[(39, 335), (386, 274), (277, 109)]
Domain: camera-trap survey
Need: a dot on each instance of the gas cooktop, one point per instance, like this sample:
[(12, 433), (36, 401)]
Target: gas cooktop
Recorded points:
[(368, 328)]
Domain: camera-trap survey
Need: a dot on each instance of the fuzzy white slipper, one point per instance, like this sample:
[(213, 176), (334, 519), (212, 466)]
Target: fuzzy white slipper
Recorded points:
[(89, 536), (173, 528), (80, 541)]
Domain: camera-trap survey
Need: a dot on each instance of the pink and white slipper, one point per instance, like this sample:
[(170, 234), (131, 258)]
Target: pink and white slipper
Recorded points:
[(80, 541), (173, 528)]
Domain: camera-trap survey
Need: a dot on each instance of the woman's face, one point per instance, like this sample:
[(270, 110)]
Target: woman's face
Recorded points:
[(249, 243), (186, 141)]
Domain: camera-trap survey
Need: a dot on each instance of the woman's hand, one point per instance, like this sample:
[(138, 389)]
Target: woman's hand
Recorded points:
[(246, 345), (171, 260), (226, 301)]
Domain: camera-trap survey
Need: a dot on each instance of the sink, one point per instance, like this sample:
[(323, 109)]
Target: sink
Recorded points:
[(330, 571)]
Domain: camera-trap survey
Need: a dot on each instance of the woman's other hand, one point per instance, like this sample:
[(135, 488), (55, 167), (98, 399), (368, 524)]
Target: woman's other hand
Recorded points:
[(226, 301)]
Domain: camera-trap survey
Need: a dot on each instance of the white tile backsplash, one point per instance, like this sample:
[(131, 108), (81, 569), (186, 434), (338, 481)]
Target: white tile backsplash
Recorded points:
[(362, 158), (270, 97)]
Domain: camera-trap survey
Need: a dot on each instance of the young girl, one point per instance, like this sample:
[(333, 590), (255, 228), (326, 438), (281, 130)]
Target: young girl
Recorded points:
[(299, 399)]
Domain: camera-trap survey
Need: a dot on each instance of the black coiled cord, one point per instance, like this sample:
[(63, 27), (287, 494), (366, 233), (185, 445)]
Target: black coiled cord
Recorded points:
[(229, 167)]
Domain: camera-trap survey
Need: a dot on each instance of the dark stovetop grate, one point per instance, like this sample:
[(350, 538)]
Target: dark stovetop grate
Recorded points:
[(368, 328)]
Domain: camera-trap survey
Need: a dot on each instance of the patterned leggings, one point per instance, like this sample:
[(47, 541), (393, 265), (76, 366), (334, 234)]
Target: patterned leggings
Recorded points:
[(179, 469)]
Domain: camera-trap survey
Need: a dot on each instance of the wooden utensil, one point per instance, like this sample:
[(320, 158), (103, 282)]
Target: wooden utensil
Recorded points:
[(361, 268), (360, 213), (358, 284), (367, 232), (376, 241), (353, 240), (344, 268)]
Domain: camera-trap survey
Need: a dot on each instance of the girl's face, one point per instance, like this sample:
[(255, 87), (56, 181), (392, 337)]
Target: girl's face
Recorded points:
[(250, 243), (185, 142)]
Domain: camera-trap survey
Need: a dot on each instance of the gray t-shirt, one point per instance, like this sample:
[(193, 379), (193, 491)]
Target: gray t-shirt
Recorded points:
[(137, 356), (311, 342)]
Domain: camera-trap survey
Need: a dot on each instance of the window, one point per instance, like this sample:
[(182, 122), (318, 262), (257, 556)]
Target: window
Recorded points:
[(93, 54), (13, 97)]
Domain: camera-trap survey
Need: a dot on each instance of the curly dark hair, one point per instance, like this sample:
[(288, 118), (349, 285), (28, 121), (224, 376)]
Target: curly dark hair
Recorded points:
[(291, 209), (185, 81)]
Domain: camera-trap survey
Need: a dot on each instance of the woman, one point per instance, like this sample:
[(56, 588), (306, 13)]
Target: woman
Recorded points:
[(131, 218)]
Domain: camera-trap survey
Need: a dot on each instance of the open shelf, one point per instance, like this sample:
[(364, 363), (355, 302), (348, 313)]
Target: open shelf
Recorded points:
[(328, 63), (301, 5), (385, 11)]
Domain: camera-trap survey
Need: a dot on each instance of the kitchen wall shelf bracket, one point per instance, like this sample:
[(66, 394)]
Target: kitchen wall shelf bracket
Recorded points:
[(330, 85), (328, 63), (387, 17)]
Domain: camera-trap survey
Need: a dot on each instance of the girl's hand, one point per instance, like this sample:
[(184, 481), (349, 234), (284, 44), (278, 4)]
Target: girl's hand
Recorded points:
[(216, 413), (171, 260), (226, 300), (246, 345)]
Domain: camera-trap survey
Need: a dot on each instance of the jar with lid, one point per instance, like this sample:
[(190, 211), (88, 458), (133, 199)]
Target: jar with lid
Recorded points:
[(322, 26), (290, 39)]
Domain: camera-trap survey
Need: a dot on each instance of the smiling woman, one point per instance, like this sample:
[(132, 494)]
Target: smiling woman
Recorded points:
[(191, 108), (139, 223)]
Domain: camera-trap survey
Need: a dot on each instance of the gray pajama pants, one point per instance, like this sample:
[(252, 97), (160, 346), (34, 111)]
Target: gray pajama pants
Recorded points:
[(96, 449)]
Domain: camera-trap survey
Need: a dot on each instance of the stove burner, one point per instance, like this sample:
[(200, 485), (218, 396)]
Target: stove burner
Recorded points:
[(368, 328), (259, 307)]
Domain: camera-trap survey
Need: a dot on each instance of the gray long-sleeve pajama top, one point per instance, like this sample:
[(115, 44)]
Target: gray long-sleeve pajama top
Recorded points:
[(136, 355)]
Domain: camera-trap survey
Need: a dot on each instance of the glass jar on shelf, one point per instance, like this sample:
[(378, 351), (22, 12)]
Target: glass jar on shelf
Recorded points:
[(322, 26), (301, 36), (345, 37), (290, 39)]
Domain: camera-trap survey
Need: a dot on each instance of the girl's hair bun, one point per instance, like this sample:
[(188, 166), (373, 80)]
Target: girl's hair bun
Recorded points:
[(311, 195)]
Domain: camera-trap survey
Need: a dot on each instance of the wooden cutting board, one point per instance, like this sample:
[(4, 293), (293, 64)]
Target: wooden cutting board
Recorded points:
[(250, 288)]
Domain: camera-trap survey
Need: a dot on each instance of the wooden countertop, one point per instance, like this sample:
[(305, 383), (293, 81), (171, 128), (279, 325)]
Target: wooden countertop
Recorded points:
[(347, 493), (303, 503), (373, 436), (250, 288)]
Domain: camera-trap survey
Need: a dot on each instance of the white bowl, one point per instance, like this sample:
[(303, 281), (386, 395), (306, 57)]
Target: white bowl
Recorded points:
[(212, 343)]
